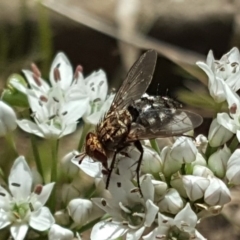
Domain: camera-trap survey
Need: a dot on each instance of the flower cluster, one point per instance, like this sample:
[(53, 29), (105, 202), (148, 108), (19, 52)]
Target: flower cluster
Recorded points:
[(182, 180)]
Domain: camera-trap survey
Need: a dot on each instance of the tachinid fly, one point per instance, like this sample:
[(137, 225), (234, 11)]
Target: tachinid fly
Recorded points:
[(132, 118)]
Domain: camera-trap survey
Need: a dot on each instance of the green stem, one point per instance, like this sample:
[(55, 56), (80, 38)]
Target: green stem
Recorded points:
[(234, 143), (155, 146), (54, 149), (37, 156), (10, 141), (85, 129), (92, 223)]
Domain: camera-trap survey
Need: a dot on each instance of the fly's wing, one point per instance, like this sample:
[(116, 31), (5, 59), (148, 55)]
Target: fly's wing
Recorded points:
[(180, 122), (136, 81)]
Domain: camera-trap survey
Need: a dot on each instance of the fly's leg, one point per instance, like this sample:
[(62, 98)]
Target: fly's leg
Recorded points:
[(139, 147), (111, 169)]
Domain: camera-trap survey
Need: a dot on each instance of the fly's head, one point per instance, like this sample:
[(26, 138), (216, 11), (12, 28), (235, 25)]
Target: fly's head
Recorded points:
[(95, 149)]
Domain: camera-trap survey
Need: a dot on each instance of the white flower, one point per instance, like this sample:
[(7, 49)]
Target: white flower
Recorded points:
[(233, 168), (184, 150), (218, 134), (87, 165), (170, 165), (202, 171), (7, 119), (160, 232), (97, 109), (63, 82), (68, 167), (186, 219), (217, 162), (57, 232), (231, 121), (217, 193), (130, 213), (227, 69), (23, 208), (172, 202), (195, 186), (201, 143), (152, 162), (54, 118), (80, 210)]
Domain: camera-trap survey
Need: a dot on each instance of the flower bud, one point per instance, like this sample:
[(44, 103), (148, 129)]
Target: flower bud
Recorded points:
[(60, 233), (202, 171), (62, 217), (160, 188), (217, 162), (200, 160), (195, 186), (218, 134), (7, 119), (233, 168), (80, 210), (217, 193), (152, 162), (177, 183), (12, 95), (170, 165), (184, 150), (69, 192), (68, 167), (172, 202), (201, 143)]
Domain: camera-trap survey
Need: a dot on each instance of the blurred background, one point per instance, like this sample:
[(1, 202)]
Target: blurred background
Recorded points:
[(111, 34)]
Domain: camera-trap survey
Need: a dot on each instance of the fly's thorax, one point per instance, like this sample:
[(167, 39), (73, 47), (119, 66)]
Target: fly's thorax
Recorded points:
[(95, 149), (114, 130)]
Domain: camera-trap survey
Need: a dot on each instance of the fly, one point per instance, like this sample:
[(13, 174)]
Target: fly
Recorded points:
[(132, 118)]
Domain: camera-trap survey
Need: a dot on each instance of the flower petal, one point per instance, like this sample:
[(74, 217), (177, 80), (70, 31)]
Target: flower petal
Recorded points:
[(4, 219), (135, 235), (152, 211), (30, 127), (20, 179), (59, 233), (62, 63), (19, 231), (224, 120), (106, 230), (42, 219), (45, 193)]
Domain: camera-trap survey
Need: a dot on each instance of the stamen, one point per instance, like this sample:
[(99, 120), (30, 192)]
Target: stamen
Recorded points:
[(104, 203), (64, 113), (56, 74), (125, 209), (93, 89), (38, 189), (101, 83), (160, 237), (2, 194), (119, 184), (91, 84), (125, 223), (222, 69), (141, 215), (37, 80), (43, 98), (36, 70), (55, 99), (96, 100), (16, 184), (52, 117), (135, 190), (79, 69), (31, 207), (233, 108)]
